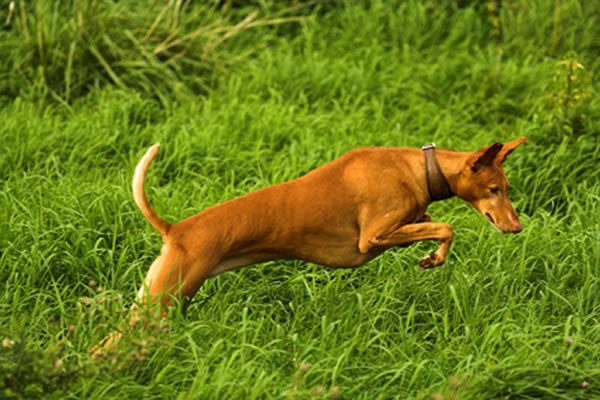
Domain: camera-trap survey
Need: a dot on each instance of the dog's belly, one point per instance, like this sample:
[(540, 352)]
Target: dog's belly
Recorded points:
[(235, 263), (337, 256), (347, 261), (332, 253)]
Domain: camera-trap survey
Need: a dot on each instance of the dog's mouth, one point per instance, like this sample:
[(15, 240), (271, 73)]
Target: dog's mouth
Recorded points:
[(490, 218)]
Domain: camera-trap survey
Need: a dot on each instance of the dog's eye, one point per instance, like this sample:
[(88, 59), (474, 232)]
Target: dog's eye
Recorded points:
[(494, 190)]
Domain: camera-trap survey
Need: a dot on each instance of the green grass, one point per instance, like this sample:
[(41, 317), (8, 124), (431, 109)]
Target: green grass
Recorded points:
[(508, 316), (62, 50)]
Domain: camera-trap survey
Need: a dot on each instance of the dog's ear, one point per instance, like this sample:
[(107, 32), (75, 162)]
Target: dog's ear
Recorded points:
[(484, 157), (509, 147)]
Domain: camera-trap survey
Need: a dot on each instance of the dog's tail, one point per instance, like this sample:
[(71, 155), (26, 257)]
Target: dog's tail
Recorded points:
[(140, 197)]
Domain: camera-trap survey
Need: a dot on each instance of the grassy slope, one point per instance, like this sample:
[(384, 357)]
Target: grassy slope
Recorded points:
[(491, 323)]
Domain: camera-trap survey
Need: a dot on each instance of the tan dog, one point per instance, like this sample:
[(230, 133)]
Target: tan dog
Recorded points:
[(342, 214)]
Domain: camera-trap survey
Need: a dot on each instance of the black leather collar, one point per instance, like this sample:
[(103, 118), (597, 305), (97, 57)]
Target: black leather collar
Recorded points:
[(437, 185)]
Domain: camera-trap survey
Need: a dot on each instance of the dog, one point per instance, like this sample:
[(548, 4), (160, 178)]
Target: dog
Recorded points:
[(341, 214)]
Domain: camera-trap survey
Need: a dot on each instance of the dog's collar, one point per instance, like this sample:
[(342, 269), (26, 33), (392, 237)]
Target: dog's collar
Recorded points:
[(437, 185)]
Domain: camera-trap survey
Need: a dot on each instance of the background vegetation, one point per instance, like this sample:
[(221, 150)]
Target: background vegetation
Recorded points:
[(246, 94)]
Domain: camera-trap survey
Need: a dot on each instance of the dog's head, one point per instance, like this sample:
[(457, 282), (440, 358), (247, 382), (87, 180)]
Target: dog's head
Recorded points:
[(483, 184)]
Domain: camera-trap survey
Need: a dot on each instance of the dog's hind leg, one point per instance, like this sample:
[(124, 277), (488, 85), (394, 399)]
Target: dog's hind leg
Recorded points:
[(175, 275)]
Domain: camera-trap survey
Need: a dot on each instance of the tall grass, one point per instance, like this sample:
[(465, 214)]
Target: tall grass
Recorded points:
[(508, 316), (63, 49)]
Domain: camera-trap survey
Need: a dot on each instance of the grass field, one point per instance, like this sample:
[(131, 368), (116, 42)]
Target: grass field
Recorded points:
[(508, 316)]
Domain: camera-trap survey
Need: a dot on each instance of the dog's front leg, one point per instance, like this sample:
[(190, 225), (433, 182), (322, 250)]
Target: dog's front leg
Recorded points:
[(411, 233)]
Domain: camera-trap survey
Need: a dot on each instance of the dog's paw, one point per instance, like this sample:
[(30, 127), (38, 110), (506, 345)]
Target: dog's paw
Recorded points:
[(106, 345), (431, 261), (374, 242), (365, 246)]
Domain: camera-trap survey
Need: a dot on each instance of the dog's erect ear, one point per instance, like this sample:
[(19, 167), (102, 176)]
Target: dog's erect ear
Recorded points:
[(509, 147), (484, 157)]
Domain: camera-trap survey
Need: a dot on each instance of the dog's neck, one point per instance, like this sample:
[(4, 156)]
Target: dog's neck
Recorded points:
[(451, 164)]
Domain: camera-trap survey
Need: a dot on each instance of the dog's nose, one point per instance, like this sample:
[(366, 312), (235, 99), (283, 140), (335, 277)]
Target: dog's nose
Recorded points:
[(517, 227)]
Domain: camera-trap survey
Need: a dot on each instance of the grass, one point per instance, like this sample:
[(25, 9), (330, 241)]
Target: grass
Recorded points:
[(508, 316), (62, 50)]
